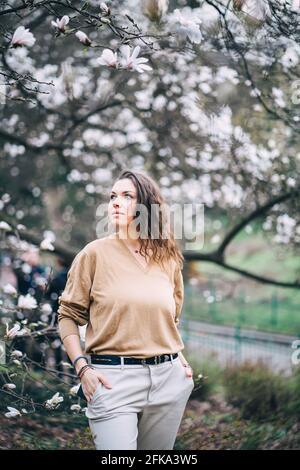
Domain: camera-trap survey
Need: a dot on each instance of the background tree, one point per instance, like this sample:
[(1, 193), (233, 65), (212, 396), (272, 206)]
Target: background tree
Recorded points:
[(215, 119)]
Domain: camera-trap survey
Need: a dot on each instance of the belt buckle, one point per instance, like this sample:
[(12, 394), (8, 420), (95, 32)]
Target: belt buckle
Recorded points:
[(143, 361)]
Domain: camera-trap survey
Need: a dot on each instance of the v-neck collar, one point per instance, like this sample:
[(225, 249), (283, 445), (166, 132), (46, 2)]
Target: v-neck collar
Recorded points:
[(144, 269)]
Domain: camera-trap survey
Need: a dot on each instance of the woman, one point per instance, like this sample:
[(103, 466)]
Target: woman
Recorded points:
[(128, 289)]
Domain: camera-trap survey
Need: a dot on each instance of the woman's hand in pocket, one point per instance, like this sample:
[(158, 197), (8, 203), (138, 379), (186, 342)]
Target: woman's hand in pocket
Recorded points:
[(90, 381)]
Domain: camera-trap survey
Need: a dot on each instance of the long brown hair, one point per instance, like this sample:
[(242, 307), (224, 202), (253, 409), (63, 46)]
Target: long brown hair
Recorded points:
[(148, 193)]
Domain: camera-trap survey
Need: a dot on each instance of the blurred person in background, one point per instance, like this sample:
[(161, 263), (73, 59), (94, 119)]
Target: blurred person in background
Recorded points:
[(31, 274), (54, 289), (31, 277)]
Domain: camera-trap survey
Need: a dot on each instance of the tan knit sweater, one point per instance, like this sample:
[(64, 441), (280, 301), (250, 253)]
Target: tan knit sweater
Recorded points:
[(130, 310)]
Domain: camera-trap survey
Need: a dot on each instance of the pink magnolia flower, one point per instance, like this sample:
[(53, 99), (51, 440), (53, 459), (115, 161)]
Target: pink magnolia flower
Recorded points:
[(109, 58), (22, 37), (105, 10), (83, 38), (9, 289), (12, 413), (187, 25), (132, 62), (27, 301), (54, 401), (4, 226), (46, 244), (16, 330), (12, 332), (60, 24), (9, 386)]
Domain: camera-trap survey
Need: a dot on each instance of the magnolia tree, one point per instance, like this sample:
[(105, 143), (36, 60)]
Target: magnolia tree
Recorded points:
[(204, 95)]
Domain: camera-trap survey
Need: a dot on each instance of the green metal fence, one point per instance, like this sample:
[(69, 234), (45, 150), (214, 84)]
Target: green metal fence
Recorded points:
[(273, 313), (234, 344)]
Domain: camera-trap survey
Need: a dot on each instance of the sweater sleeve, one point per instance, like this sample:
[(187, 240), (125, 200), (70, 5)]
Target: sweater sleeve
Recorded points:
[(74, 301), (178, 293)]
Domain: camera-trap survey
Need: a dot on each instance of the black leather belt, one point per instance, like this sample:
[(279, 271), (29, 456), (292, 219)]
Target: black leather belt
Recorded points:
[(115, 360)]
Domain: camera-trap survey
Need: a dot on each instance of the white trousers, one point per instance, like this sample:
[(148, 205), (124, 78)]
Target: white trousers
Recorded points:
[(144, 407)]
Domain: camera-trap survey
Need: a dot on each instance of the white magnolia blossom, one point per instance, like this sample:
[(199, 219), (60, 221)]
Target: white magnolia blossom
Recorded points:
[(187, 25), (74, 390), (16, 353), (49, 235), (46, 308), (23, 331), (105, 10), (9, 386), (17, 362), (54, 401), (26, 268), (232, 193), (27, 301), (285, 226), (256, 9), (40, 280), (4, 226), (45, 318), (278, 97), (9, 289), (290, 58), (267, 224), (75, 408), (47, 245), (60, 24), (295, 5), (108, 58), (58, 96), (291, 182), (104, 20), (83, 38), (12, 413), (20, 60), (22, 37), (133, 62), (225, 73), (11, 333)]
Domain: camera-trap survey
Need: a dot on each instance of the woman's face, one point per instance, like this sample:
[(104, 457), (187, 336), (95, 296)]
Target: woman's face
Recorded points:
[(121, 207)]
